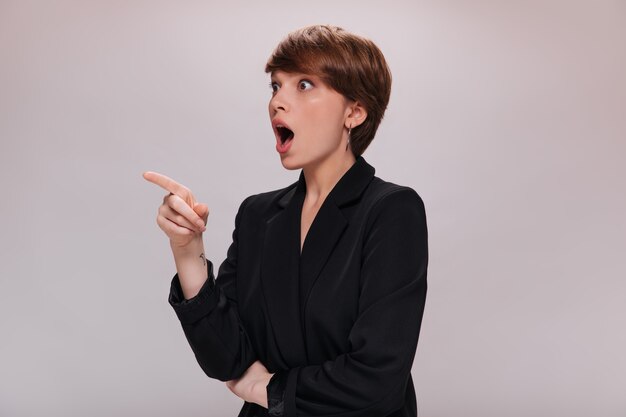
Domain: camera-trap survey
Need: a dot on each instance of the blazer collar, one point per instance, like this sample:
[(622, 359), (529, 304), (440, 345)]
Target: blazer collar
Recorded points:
[(287, 276), (348, 188)]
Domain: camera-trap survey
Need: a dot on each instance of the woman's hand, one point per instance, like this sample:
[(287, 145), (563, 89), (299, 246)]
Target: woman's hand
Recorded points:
[(180, 216), (252, 385)]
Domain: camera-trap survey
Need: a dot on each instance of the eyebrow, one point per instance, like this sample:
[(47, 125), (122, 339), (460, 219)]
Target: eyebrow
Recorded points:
[(297, 74)]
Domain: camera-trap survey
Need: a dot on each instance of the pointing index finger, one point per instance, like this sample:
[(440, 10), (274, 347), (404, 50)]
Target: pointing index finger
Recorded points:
[(170, 185)]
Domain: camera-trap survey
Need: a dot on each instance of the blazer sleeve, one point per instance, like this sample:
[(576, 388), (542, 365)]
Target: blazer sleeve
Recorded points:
[(370, 379), (210, 320)]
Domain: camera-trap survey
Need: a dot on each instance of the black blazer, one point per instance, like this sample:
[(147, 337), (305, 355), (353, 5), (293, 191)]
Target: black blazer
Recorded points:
[(338, 324)]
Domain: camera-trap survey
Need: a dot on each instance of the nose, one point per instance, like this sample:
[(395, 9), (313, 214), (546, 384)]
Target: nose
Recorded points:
[(278, 102)]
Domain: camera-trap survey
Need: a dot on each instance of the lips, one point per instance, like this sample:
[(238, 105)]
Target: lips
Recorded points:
[(282, 131)]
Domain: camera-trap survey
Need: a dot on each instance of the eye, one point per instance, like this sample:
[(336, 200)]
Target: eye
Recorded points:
[(274, 86), (305, 85)]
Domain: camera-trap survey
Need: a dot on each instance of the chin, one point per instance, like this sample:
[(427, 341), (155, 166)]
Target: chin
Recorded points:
[(289, 163)]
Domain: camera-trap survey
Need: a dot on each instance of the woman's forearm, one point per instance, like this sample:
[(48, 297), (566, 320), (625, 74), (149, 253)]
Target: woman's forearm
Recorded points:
[(210, 317), (252, 385), (191, 266)]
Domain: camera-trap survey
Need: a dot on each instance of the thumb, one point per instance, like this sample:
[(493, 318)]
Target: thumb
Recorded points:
[(202, 210)]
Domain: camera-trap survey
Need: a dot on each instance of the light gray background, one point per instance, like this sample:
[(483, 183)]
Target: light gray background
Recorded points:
[(508, 118)]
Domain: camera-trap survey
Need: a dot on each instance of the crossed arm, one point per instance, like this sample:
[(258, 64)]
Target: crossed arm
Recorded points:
[(370, 379)]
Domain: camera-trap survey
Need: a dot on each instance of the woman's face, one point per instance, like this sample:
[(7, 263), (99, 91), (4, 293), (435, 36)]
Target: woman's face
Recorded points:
[(316, 115)]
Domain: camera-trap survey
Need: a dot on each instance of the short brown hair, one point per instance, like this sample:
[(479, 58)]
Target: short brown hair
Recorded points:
[(348, 63)]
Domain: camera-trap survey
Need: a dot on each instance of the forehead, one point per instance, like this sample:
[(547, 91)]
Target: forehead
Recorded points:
[(284, 75)]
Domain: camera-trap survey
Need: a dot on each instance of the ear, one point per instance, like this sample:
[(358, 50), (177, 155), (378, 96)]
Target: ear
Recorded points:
[(356, 114)]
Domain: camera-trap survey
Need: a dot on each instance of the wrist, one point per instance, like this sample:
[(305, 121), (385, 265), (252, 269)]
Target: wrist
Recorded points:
[(260, 391), (196, 245), (192, 268)]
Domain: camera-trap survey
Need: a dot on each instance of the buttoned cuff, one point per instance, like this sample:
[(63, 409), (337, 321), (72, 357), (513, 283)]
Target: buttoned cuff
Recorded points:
[(192, 310)]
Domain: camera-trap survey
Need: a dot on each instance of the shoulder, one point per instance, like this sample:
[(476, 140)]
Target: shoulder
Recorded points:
[(264, 202), (384, 194), (392, 206), (395, 212)]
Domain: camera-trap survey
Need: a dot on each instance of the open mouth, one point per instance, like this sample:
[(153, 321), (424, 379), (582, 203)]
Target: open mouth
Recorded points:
[(284, 133)]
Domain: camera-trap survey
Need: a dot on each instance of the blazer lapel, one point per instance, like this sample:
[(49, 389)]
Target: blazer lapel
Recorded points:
[(288, 276), (279, 276), (329, 224)]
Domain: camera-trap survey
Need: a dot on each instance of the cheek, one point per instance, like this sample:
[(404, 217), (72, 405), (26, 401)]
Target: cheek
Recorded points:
[(327, 114)]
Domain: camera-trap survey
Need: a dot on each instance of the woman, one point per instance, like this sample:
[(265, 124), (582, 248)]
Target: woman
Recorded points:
[(316, 310)]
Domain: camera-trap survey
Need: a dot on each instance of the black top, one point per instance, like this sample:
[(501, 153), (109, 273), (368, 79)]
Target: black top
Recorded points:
[(337, 324)]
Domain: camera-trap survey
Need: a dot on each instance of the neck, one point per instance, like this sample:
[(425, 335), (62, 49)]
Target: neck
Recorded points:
[(321, 177)]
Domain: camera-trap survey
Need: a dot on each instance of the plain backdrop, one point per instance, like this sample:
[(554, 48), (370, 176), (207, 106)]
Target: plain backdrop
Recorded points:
[(507, 117)]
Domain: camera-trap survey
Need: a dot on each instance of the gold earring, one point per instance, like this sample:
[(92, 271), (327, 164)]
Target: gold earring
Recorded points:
[(349, 132)]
